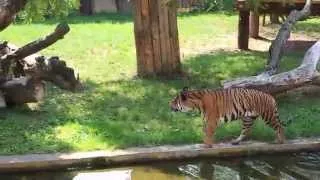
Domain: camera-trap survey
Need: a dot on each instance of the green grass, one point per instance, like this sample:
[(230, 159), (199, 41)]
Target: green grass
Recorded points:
[(117, 110)]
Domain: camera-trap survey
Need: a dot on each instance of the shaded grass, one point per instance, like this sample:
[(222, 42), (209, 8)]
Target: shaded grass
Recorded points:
[(117, 110)]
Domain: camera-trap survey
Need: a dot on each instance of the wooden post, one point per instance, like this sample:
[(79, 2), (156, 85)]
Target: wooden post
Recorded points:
[(243, 30), (156, 36), (254, 24), (86, 7)]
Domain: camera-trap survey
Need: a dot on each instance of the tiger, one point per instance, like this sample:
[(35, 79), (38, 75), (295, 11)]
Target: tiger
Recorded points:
[(225, 105)]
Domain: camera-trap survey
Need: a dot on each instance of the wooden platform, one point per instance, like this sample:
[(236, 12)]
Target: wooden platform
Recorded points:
[(36, 162)]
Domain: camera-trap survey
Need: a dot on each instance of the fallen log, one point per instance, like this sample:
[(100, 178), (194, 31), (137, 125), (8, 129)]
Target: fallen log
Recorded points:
[(305, 74), (23, 90), (38, 162)]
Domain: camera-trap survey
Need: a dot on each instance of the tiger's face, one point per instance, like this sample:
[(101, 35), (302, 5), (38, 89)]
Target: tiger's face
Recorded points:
[(181, 102)]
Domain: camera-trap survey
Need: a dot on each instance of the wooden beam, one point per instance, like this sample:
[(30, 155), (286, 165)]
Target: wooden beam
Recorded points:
[(36, 162), (243, 30), (254, 24)]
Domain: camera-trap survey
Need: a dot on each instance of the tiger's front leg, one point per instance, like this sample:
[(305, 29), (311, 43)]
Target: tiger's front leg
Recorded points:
[(208, 130)]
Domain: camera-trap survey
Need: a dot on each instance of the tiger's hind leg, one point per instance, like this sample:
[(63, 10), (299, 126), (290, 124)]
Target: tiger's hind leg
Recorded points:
[(247, 123), (275, 124), (280, 135)]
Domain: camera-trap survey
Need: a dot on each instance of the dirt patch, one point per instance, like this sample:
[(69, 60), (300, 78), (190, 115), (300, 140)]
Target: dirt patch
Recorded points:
[(298, 41)]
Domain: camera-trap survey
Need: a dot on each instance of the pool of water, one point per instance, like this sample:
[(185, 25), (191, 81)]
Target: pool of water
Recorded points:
[(292, 166)]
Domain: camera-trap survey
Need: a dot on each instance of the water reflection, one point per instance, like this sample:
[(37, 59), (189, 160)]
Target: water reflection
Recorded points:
[(294, 166)]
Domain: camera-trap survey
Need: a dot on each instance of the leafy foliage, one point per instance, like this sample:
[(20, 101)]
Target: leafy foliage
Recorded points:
[(214, 5), (40, 9)]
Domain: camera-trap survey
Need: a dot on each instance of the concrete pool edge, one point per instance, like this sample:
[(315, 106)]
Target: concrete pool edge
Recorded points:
[(35, 162)]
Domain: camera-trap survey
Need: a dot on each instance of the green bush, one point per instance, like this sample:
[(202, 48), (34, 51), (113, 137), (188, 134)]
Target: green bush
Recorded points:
[(214, 5), (37, 10)]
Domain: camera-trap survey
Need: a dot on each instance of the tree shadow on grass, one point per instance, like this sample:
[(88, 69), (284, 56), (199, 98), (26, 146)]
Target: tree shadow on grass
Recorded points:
[(210, 69), (24, 130)]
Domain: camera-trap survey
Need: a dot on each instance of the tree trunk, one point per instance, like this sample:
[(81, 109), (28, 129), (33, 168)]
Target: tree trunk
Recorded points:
[(8, 10), (156, 36)]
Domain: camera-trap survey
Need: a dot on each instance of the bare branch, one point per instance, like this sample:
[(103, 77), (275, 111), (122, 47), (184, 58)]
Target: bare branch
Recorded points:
[(33, 47), (277, 47)]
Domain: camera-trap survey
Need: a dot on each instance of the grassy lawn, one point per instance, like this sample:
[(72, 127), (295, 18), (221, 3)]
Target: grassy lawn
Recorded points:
[(117, 110)]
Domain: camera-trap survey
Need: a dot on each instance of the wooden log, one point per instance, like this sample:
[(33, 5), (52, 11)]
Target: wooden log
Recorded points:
[(33, 47), (36, 162), (254, 24), (23, 90), (305, 74), (36, 69), (243, 30)]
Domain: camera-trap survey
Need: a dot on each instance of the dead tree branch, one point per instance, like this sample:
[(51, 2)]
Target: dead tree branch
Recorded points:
[(33, 47), (305, 74), (277, 47)]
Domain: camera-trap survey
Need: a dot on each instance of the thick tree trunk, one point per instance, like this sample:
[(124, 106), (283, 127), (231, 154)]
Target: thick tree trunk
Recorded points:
[(156, 35), (305, 74), (8, 11)]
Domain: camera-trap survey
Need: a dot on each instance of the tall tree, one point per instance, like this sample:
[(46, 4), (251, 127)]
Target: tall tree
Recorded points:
[(156, 35)]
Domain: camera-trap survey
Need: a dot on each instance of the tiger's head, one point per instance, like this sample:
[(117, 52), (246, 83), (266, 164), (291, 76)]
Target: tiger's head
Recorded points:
[(182, 102)]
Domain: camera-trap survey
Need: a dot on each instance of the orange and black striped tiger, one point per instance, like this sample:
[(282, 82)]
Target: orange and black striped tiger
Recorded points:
[(225, 105)]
